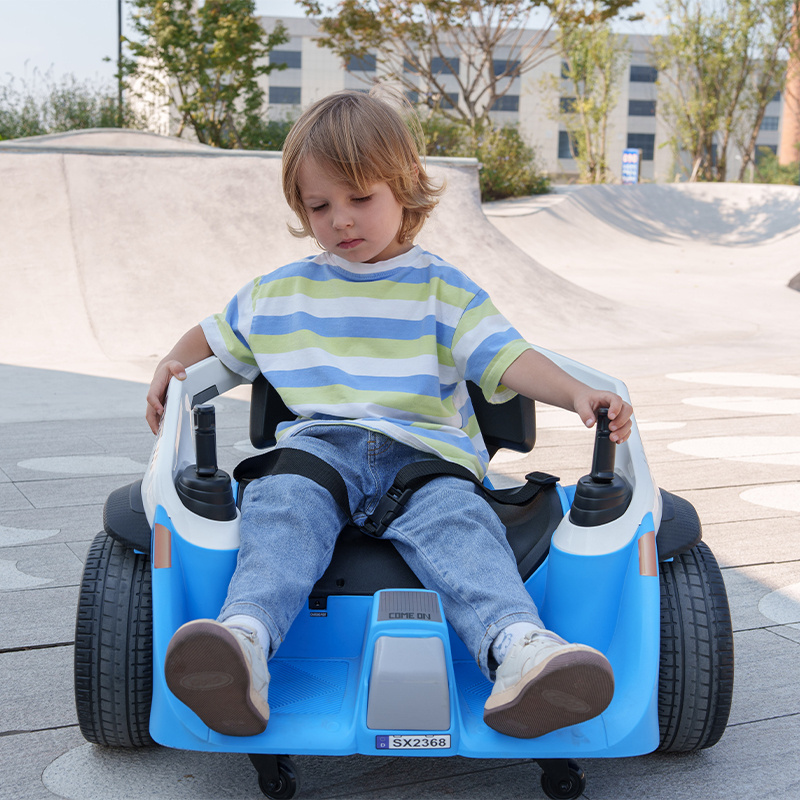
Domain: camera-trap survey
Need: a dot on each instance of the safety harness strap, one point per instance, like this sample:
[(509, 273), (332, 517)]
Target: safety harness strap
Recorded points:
[(287, 460), (417, 474)]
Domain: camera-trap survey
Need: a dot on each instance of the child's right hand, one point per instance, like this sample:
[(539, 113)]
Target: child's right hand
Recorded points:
[(157, 394)]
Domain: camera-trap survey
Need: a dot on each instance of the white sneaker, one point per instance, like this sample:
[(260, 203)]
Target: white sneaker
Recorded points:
[(221, 674), (545, 683)]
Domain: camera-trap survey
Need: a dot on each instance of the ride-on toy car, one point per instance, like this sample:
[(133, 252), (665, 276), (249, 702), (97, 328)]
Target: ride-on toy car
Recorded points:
[(371, 666)]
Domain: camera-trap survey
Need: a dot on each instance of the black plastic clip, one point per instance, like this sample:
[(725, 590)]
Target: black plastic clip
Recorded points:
[(389, 507)]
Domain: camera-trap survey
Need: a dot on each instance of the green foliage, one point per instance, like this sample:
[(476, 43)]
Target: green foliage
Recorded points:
[(212, 55), (768, 170), (594, 61), (262, 134), (720, 64), (44, 105), (417, 44), (507, 165)]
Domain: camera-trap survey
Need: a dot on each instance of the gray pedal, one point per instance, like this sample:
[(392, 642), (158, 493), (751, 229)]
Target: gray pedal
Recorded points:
[(408, 688)]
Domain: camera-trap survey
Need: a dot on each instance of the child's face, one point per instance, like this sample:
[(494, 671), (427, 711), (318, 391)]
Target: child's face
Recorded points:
[(359, 227)]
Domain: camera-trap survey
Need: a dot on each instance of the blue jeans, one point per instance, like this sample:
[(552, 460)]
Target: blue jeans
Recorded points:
[(448, 534)]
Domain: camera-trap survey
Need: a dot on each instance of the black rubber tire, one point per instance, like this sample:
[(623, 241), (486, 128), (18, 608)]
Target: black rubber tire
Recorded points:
[(565, 788), (114, 646), (287, 784), (695, 684)]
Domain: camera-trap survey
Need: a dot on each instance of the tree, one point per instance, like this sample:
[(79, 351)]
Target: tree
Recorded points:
[(776, 44), (210, 55), (719, 64), (437, 48), (593, 61)]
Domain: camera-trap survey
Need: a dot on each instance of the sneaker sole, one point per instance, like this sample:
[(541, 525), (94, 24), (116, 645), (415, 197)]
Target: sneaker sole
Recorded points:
[(206, 669), (567, 689)]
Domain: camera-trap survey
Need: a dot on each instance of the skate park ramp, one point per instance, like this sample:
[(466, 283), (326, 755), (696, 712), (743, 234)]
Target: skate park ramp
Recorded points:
[(116, 242), (712, 256)]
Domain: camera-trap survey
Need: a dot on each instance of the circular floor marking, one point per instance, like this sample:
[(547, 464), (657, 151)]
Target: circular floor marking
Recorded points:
[(782, 450), (742, 379), (784, 496), (11, 536), (782, 606), (84, 465), (748, 405), (98, 773), (12, 577)]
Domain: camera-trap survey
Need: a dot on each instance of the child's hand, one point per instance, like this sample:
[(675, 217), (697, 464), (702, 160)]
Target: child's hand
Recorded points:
[(157, 393), (619, 412)]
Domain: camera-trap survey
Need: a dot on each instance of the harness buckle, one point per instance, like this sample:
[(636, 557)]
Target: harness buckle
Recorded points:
[(389, 507)]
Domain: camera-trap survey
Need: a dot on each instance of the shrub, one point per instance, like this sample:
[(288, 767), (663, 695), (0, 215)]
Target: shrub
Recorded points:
[(262, 134), (507, 165), (768, 170), (46, 106)]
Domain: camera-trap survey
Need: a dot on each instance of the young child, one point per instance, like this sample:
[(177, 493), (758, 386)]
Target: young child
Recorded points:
[(370, 343)]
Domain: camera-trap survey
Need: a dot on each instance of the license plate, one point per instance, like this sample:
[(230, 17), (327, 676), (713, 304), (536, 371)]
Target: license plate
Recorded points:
[(410, 742)]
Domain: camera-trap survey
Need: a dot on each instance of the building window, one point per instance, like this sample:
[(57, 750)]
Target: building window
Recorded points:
[(412, 97), (567, 145), (449, 66), (643, 74), (505, 67), (641, 108), (293, 59), (567, 105), (284, 95), (508, 102), (646, 142), (366, 64), (770, 124)]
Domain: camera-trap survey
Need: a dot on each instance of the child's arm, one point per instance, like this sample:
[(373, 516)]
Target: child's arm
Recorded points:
[(537, 377), (190, 348)]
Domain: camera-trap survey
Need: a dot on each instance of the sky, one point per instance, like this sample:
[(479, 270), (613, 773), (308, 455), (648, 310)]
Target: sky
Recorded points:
[(65, 37)]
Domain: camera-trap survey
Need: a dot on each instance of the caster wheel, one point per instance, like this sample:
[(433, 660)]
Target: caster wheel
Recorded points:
[(282, 788), (566, 785)]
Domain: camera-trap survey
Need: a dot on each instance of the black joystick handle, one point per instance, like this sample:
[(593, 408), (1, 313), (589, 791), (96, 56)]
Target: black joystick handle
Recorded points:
[(601, 496), (205, 440), (604, 450)]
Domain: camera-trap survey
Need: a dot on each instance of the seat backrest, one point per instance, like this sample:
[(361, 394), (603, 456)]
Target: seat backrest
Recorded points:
[(511, 424)]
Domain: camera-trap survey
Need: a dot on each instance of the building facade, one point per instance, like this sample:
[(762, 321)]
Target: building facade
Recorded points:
[(313, 71)]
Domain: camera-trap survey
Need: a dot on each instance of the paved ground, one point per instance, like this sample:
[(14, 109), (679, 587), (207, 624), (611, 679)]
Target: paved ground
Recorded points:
[(681, 292)]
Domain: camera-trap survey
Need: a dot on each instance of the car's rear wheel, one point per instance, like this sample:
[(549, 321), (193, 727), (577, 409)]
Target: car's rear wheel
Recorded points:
[(696, 667), (114, 646)]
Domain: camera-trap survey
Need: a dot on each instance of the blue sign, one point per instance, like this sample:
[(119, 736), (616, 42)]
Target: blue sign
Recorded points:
[(631, 158)]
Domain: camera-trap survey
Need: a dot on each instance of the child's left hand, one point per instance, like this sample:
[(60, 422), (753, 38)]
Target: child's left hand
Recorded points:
[(619, 412)]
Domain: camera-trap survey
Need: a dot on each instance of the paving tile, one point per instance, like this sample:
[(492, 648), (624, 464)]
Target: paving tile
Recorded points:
[(36, 689), (765, 682), (747, 586), (38, 617), (12, 499), (754, 541), (66, 492), (54, 564), (25, 756), (61, 523)]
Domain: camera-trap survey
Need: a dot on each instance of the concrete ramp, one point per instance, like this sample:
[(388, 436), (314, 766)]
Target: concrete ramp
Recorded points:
[(709, 257), (114, 243)]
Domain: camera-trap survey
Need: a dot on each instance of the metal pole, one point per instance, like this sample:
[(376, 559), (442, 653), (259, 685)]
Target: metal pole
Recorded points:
[(119, 63)]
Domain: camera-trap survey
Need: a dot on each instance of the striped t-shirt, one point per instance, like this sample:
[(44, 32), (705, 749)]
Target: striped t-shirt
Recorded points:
[(385, 346)]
